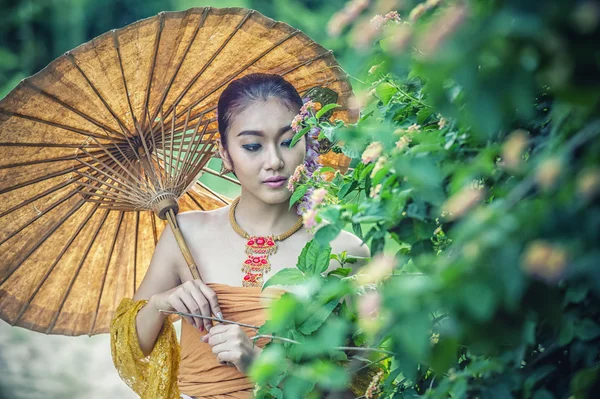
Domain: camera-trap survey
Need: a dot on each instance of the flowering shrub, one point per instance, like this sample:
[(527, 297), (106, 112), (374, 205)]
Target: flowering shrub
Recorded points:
[(476, 184)]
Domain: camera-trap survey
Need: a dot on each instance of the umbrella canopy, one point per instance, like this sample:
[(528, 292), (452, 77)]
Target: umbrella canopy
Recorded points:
[(107, 142)]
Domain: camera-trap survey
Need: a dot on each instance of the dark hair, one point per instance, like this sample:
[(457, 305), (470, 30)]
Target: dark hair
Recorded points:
[(242, 92)]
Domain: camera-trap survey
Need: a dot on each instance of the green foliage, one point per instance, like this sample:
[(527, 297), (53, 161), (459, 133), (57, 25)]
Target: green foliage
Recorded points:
[(479, 164)]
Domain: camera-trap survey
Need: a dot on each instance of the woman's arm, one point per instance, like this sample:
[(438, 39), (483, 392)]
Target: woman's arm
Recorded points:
[(161, 277)]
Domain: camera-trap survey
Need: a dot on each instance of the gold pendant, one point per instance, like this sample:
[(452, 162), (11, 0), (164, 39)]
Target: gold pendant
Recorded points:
[(258, 250)]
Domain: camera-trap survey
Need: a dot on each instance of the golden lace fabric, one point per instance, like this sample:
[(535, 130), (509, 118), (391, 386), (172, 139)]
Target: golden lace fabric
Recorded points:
[(192, 369), (153, 376)]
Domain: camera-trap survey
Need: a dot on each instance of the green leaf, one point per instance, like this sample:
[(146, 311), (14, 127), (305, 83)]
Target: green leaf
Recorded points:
[(326, 108), (357, 229), (299, 135), (287, 276), (302, 261), (317, 257), (316, 319), (340, 271), (298, 194), (347, 188), (587, 330), (326, 234), (385, 91)]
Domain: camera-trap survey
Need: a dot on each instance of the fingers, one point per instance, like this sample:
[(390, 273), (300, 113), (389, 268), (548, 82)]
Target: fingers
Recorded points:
[(177, 303), (211, 297), (204, 309)]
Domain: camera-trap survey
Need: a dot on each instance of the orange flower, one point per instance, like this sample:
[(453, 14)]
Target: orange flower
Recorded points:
[(512, 150), (544, 260), (380, 267), (460, 203), (548, 172)]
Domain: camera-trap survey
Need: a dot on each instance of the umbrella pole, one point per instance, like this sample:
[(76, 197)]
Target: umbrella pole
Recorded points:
[(170, 214)]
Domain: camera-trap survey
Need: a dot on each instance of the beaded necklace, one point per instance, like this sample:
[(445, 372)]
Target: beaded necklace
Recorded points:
[(258, 249)]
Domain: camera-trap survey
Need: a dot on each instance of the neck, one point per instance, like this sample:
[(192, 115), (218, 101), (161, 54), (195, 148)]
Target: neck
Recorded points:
[(261, 219)]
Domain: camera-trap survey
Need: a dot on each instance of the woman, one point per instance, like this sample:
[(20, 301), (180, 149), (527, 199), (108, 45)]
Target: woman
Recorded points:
[(255, 115)]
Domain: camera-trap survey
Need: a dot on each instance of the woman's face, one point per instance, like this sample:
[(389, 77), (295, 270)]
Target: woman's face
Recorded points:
[(258, 148)]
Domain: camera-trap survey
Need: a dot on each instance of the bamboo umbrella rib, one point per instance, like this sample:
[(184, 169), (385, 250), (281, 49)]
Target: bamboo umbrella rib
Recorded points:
[(42, 161), (124, 157), (81, 262), (154, 179), (204, 186), (109, 153), (134, 195), (118, 51), (102, 172), (201, 162), (162, 177), (47, 234), (170, 148), (245, 67), (161, 25), (39, 215), (38, 196), (178, 165), (208, 63), (71, 58), (51, 268), (199, 165), (195, 201), (108, 259), (116, 196), (162, 129), (54, 124), (72, 109), (215, 173), (183, 168), (187, 50), (44, 145)]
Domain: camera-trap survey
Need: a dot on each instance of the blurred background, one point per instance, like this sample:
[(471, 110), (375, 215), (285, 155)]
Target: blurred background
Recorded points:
[(32, 34)]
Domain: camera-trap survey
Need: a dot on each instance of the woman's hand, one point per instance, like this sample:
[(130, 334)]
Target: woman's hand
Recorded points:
[(190, 297), (231, 344)]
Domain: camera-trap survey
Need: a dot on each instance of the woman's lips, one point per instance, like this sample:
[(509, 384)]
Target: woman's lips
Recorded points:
[(275, 184)]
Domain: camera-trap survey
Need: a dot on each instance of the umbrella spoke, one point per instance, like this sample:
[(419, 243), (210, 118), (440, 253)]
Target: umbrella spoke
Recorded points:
[(108, 259), (45, 236), (204, 186), (208, 63), (72, 109), (81, 262), (183, 57), (42, 161), (161, 25), (215, 173), (39, 215), (57, 125), (38, 196), (71, 58), (51, 268), (117, 47)]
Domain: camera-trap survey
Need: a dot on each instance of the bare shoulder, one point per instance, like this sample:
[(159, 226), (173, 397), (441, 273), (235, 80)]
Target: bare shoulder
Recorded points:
[(346, 241), (189, 220)]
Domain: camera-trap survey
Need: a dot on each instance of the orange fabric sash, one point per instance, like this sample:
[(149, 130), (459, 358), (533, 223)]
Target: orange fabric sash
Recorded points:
[(200, 374)]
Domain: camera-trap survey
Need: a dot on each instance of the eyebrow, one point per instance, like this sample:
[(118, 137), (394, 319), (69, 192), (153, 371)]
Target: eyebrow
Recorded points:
[(260, 133)]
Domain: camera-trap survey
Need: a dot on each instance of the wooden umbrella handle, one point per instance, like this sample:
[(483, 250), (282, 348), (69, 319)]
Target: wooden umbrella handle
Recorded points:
[(182, 244)]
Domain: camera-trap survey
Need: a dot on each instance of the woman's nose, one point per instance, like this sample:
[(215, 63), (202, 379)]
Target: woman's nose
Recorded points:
[(274, 159)]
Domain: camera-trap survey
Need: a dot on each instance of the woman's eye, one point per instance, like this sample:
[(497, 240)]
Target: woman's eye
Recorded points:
[(252, 147), (287, 143)]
